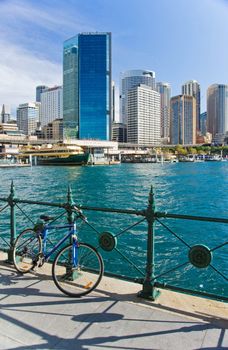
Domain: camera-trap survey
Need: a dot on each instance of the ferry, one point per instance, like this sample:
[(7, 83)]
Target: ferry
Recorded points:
[(60, 154)]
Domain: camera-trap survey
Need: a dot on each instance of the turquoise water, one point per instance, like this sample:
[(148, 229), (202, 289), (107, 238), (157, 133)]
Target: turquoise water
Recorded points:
[(181, 188)]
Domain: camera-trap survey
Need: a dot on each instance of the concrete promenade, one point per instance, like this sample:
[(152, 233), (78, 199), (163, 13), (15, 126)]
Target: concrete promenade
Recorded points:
[(35, 315)]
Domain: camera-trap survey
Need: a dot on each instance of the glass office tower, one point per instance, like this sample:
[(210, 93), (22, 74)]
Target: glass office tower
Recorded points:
[(87, 86), (70, 88)]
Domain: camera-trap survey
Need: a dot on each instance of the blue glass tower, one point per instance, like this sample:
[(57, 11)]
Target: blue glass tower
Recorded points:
[(70, 88), (87, 86)]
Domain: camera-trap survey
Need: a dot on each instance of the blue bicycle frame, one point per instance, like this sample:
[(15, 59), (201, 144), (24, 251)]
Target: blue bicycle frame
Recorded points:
[(72, 233)]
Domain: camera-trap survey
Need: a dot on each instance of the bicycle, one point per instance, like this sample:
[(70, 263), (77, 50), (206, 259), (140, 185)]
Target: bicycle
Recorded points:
[(77, 268)]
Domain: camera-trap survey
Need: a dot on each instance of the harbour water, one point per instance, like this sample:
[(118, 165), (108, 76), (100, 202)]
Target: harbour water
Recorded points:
[(180, 188)]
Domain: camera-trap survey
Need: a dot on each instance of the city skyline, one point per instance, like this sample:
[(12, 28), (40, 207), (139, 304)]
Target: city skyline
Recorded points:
[(178, 40)]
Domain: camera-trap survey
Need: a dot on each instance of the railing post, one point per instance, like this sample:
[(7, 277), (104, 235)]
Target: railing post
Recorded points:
[(149, 291), (70, 202), (12, 223)]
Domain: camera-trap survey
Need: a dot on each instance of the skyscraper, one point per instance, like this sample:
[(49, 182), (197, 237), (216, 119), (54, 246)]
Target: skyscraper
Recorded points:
[(129, 80), (192, 88), (70, 88), (28, 117), (183, 120), (165, 91), (217, 109), (87, 86), (51, 105), (143, 115)]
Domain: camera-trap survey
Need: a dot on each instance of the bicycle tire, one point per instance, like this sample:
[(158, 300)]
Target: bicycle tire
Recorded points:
[(79, 280), (27, 247)]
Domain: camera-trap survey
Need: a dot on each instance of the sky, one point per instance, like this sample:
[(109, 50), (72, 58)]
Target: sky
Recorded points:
[(180, 40)]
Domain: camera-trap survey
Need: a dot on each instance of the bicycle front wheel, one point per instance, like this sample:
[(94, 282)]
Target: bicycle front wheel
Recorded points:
[(77, 270), (27, 247)]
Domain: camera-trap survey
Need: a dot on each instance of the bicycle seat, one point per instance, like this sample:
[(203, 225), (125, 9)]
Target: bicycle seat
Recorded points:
[(46, 218)]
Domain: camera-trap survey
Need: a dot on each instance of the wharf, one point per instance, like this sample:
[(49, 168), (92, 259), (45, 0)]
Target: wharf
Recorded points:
[(35, 315), (14, 165)]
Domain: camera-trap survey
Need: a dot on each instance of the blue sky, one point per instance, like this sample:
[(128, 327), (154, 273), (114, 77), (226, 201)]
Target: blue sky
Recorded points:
[(180, 40)]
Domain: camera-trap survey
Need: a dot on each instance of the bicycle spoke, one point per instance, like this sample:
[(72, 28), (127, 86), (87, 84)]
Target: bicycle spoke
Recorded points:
[(77, 278)]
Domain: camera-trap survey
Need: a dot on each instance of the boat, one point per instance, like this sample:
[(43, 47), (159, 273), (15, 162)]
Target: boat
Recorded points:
[(189, 158), (213, 158), (60, 154)]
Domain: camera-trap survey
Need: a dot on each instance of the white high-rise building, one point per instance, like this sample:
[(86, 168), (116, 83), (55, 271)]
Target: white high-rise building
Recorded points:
[(165, 91), (51, 105), (217, 110), (28, 117), (129, 80), (192, 88), (143, 116)]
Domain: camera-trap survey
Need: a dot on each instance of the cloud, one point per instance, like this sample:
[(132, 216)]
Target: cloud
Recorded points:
[(55, 17), (21, 71), (31, 37)]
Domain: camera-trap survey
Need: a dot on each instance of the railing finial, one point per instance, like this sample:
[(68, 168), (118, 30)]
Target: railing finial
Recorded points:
[(69, 195), (12, 189), (151, 202)]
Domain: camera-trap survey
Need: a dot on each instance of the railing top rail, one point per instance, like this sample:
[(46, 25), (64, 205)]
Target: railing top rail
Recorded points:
[(63, 205), (190, 217), (144, 212)]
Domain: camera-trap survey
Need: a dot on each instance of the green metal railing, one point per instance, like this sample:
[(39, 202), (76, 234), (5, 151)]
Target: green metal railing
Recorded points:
[(148, 220)]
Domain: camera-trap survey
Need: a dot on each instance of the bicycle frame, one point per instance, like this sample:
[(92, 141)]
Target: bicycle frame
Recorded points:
[(72, 232)]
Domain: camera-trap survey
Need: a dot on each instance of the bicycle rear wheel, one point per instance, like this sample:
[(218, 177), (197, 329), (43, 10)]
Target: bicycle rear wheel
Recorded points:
[(27, 247), (79, 275)]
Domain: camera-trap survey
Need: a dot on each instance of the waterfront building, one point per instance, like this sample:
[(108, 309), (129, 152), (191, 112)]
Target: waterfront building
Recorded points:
[(87, 86), (51, 105), (119, 132), (203, 123), (217, 110), (143, 116), (53, 130), (192, 88), (183, 120), (10, 129), (165, 91), (39, 90), (129, 80), (5, 114), (28, 117)]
